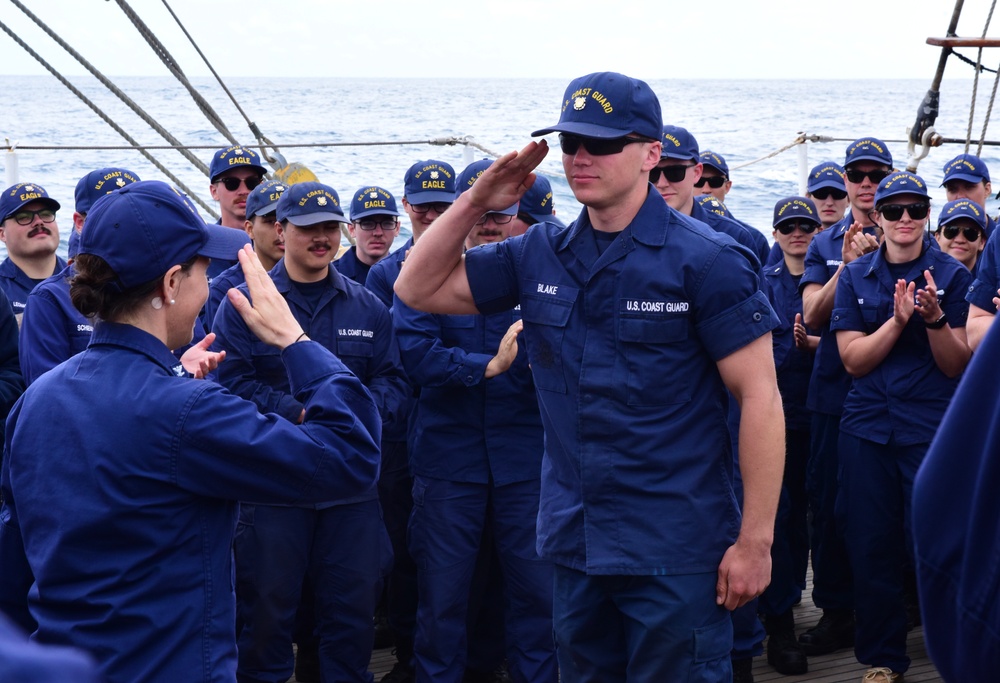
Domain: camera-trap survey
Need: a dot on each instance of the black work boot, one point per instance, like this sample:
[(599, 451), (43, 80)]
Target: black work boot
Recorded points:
[(783, 651), (835, 631)]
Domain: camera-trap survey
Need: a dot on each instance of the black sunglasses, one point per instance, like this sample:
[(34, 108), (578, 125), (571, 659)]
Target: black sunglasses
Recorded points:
[(788, 227), (673, 174), (714, 182), (893, 212), (825, 192), (232, 184), (598, 147), (858, 177), (950, 232)]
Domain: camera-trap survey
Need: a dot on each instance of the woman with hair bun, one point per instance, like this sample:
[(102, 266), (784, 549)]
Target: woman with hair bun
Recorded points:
[(121, 471)]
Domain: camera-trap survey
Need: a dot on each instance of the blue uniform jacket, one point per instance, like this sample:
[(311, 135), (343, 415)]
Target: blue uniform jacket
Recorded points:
[(905, 396), (348, 320), (731, 227), (793, 365), (126, 503), (351, 267), (220, 285), (16, 285), (52, 330), (830, 382), (984, 288), (468, 428), (637, 472), (956, 527), (384, 274)]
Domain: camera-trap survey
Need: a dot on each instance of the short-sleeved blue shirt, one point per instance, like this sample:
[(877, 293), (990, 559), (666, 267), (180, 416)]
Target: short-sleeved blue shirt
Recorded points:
[(793, 365), (987, 281), (905, 396), (623, 346)]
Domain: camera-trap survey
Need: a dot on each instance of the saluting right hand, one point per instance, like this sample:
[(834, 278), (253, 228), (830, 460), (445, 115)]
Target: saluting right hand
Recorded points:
[(508, 178), (269, 316)]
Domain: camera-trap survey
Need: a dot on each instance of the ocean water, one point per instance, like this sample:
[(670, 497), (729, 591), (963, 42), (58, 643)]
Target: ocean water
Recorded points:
[(743, 120)]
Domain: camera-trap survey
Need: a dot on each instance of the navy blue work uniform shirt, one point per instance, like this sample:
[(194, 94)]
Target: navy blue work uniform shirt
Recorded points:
[(792, 364), (17, 286), (52, 329), (220, 285), (623, 345), (830, 382), (984, 288), (347, 319), (468, 428), (383, 275), (126, 502), (731, 227), (351, 267), (905, 396)]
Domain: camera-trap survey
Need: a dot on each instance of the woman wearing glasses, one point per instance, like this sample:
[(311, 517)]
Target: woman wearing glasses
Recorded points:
[(899, 317), (961, 232)]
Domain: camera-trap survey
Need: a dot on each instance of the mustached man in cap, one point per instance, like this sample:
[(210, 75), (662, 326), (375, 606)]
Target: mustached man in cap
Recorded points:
[(636, 320), (234, 173), (52, 328), (867, 162), (29, 231), (374, 225), (340, 544)]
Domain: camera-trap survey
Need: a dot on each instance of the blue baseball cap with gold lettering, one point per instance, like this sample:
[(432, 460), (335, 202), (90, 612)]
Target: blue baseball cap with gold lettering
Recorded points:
[(962, 208), (900, 182), (797, 209), (678, 143), (537, 202), (373, 201), (608, 105), (229, 158), (264, 198), (868, 149), (310, 203), (17, 196), (716, 161), (429, 182), (967, 167), (828, 174), (710, 203), (468, 177), (96, 184)]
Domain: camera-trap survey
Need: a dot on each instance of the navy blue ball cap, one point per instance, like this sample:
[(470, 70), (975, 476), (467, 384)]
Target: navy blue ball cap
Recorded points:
[(229, 158), (16, 197), (537, 202), (429, 182), (962, 208), (967, 167), (147, 227), (716, 161), (827, 174), (900, 182), (710, 203), (310, 203), (795, 209), (608, 105), (264, 198), (373, 201), (470, 174), (868, 149), (678, 143), (98, 183)]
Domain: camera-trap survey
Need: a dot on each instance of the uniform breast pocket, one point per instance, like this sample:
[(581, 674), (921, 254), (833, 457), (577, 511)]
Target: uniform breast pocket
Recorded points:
[(356, 354), (545, 324), (654, 354), (874, 315)]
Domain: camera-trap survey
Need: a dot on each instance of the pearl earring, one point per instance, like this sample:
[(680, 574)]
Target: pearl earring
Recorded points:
[(173, 301)]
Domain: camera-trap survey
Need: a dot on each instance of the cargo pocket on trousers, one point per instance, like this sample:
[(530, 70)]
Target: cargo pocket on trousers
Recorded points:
[(712, 645)]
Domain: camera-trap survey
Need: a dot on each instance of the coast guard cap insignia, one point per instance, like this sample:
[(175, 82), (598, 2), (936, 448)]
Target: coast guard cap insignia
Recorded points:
[(29, 188), (579, 103), (238, 151), (321, 201), (434, 175), (120, 182), (373, 194)]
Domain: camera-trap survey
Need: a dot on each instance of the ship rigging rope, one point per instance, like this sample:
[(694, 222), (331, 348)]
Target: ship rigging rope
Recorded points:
[(97, 110), (975, 88), (198, 163)]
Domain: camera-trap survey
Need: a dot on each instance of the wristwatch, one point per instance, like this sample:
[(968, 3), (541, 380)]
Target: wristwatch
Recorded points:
[(939, 323)]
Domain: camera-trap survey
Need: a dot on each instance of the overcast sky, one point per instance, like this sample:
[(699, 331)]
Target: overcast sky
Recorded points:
[(512, 38)]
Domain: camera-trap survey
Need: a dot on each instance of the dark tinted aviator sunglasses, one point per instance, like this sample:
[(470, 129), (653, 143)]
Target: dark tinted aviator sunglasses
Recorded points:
[(598, 147), (788, 227), (232, 184), (950, 232), (714, 182), (823, 193), (673, 174), (893, 212), (858, 177)]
